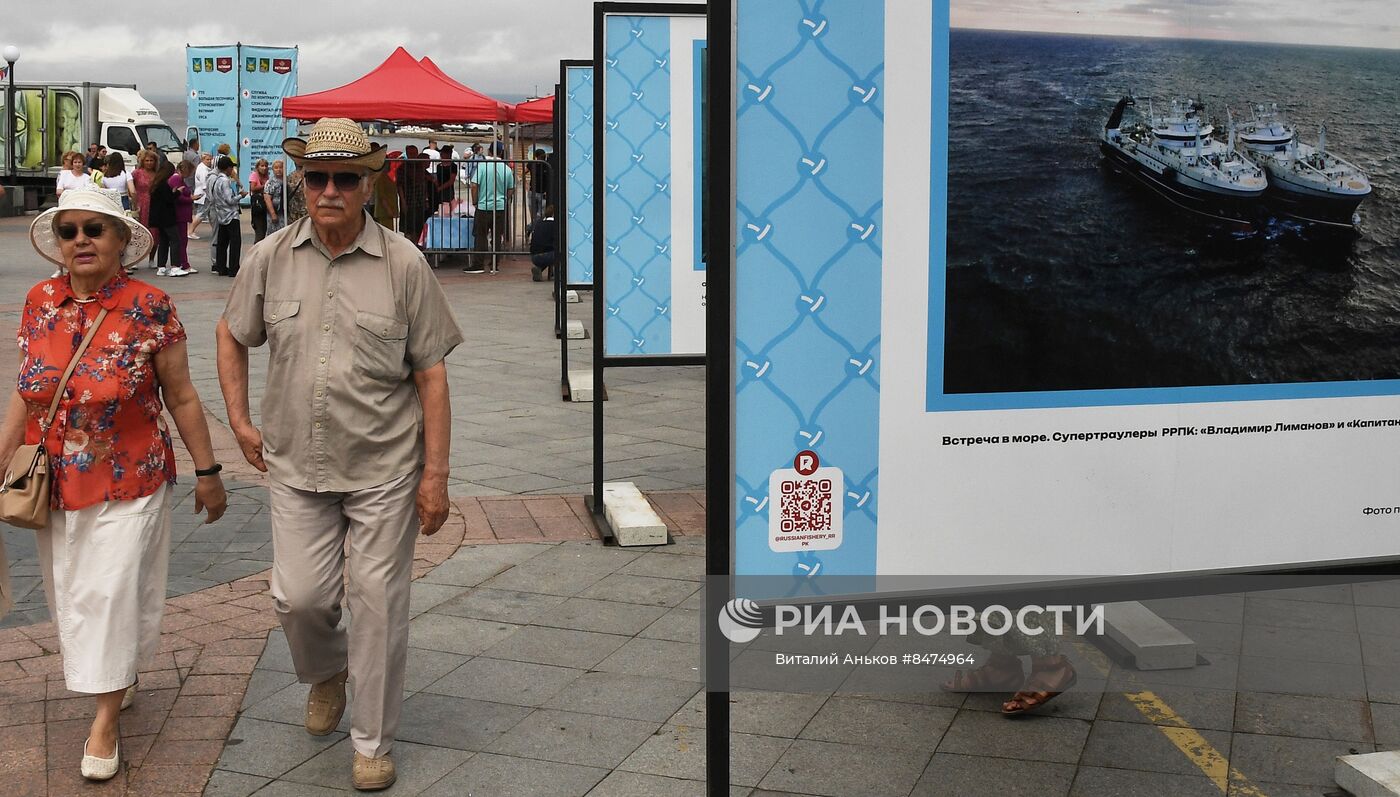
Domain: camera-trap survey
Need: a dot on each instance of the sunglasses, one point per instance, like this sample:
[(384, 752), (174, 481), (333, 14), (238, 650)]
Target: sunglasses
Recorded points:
[(92, 229), (344, 181)]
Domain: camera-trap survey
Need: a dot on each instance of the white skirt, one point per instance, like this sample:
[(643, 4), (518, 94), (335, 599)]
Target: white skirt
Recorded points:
[(105, 570)]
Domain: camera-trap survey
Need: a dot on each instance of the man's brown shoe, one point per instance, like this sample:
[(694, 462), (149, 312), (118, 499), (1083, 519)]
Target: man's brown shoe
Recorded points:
[(325, 704), (372, 774)]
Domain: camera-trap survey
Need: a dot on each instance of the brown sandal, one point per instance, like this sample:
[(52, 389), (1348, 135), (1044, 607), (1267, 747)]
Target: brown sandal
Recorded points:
[(990, 677), (1028, 700)]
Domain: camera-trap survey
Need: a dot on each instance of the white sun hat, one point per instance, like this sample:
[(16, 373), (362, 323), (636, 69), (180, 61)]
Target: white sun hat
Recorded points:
[(106, 201)]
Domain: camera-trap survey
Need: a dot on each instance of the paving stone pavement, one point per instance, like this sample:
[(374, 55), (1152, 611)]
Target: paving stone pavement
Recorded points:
[(541, 669), (212, 641)]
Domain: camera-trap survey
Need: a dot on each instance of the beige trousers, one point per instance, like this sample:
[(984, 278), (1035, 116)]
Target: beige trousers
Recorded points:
[(310, 532), (105, 570)]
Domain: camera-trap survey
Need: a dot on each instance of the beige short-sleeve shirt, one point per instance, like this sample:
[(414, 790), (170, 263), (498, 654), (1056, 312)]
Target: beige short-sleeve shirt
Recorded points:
[(340, 411)]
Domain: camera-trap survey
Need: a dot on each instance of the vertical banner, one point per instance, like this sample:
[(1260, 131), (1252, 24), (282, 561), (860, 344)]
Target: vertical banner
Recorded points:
[(980, 331), (267, 76), (808, 276), (211, 96), (578, 171), (654, 291)]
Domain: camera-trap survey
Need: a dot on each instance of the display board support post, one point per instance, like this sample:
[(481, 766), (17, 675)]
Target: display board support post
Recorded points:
[(719, 242)]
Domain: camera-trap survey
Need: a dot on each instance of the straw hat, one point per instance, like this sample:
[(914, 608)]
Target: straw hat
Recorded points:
[(106, 201), (336, 140)]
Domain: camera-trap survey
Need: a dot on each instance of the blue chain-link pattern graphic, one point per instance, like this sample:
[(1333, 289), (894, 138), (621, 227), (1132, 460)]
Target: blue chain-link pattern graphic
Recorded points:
[(637, 189), (809, 194), (578, 155)]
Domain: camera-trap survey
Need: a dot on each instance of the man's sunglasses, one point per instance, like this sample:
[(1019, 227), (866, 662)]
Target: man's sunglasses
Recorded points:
[(344, 181), (92, 229)]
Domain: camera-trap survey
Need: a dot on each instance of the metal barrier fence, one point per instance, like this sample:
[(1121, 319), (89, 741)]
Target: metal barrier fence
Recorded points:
[(436, 204)]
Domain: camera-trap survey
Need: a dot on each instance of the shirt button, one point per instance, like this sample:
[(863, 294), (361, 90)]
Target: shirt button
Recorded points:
[(318, 394), (326, 327), (329, 294), (318, 424), (323, 360)]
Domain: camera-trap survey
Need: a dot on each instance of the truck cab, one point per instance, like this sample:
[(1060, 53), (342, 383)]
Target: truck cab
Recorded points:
[(129, 122)]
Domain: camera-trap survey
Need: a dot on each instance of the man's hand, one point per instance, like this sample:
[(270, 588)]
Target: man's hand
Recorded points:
[(432, 504), (250, 440)]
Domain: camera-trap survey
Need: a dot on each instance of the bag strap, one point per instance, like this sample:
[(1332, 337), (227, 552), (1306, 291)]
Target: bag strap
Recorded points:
[(72, 364)]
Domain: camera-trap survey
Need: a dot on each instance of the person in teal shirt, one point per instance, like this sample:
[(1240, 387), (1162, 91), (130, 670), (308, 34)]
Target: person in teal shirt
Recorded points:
[(493, 185)]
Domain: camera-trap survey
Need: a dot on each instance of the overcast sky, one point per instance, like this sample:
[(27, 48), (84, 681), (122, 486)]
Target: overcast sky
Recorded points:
[(1355, 23), (504, 48)]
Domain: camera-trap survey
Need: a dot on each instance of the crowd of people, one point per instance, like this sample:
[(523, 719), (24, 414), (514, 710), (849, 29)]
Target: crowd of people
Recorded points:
[(173, 200)]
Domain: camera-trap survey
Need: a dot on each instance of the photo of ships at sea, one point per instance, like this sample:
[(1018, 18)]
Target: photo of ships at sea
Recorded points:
[(1068, 271)]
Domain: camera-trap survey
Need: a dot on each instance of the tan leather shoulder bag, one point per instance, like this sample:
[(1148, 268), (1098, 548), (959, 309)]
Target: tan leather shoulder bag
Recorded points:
[(24, 493)]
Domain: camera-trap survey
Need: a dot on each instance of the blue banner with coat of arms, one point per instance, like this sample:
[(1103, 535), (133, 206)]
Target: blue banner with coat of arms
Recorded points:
[(211, 94), (268, 75)]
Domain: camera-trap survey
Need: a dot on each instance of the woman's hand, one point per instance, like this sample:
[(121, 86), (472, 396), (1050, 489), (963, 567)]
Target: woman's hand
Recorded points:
[(209, 494), (12, 430)]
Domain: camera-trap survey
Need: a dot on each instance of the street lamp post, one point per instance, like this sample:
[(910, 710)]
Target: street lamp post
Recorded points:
[(11, 56)]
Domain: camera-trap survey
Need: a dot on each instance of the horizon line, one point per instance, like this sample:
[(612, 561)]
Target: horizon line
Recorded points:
[(1169, 37)]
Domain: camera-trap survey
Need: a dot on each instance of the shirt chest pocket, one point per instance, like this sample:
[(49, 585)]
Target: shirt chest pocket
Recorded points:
[(380, 345), (277, 318)]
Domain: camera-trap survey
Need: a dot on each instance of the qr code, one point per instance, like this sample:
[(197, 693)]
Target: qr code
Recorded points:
[(805, 505)]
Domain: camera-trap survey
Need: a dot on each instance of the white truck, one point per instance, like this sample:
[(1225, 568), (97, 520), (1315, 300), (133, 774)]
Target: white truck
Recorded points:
[(49, 119)]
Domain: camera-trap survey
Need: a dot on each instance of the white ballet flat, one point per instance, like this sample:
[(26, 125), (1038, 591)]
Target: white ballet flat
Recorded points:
[(95, 768)]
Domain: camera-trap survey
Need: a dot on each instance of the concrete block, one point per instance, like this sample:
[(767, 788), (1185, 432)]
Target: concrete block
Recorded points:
[(581, 385), (571, 297), (631, 517), (1153, 643), (1369, 774), (573, 328)]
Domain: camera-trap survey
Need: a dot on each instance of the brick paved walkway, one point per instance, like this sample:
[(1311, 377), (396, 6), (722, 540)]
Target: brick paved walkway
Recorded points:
[(191, 691)]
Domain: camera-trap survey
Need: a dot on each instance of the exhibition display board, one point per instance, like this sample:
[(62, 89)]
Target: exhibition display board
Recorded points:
[(577, 124), (234, 97), (269, 75), (648, 92), (211, 94), (967, 340)]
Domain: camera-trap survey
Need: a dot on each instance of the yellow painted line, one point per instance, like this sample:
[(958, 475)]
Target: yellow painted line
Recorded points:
[(1187, 739), (1193, 745)]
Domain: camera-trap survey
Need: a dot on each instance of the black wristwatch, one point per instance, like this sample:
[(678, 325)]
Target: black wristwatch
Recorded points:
[(212, 470)]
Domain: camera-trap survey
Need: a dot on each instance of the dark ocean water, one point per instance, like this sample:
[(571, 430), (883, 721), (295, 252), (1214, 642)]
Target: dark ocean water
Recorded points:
[(1065, 275)]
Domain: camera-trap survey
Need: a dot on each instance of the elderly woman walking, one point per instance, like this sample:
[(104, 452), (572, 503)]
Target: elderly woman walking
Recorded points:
[(143, 181), (105, 551)]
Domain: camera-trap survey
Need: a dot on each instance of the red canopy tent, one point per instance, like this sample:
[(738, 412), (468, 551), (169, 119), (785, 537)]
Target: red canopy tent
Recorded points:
[(539, 111), (503, 109), (400, 89)]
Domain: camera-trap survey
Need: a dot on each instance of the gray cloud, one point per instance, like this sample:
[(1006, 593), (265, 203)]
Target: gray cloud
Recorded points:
[(506, 49)]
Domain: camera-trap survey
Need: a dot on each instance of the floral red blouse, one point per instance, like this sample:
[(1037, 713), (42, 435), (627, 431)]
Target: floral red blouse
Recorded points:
[(109, 441)]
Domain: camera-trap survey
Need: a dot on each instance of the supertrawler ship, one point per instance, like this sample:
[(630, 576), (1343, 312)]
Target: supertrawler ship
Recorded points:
[(1306, 182), (1176, 154)]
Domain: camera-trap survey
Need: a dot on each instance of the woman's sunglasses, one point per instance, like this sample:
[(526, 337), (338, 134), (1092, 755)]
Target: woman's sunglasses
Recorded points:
[(344, 181), (92, 229)]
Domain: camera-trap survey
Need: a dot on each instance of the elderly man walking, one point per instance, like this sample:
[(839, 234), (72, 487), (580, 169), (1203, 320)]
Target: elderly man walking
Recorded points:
[(355, 432)]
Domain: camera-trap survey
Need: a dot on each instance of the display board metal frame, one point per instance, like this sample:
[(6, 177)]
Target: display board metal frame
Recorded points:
[(562, 214), (724, 494), (601, 359)]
